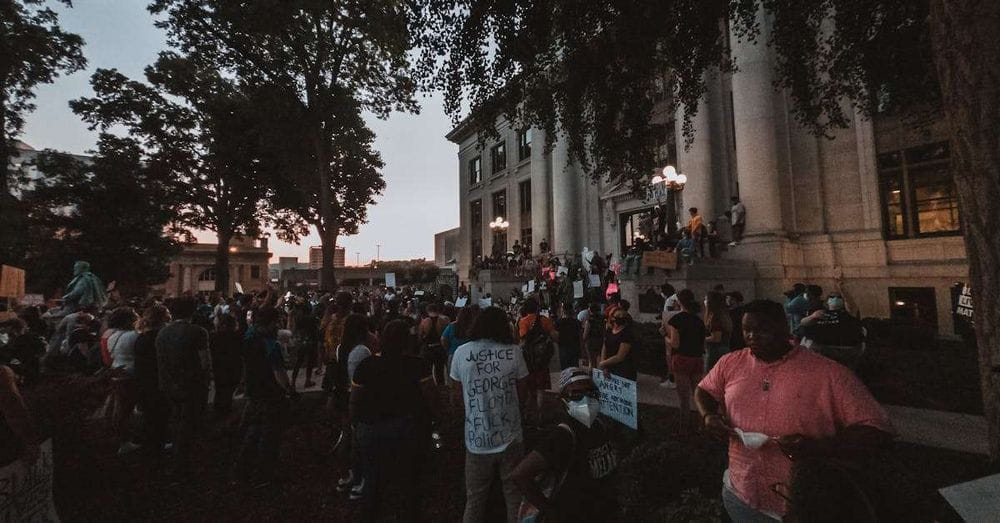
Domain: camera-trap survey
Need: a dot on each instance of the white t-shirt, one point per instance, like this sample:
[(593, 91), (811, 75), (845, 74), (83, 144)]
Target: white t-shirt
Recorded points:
[(489, 371)]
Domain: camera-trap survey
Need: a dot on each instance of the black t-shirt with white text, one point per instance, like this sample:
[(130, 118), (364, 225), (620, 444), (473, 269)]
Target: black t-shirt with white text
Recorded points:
[(590, 459)]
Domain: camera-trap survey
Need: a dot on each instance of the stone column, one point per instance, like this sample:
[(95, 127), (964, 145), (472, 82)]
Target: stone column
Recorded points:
[(756, 119), (699, 161), (566, 198), (541, 197), (186, 279)]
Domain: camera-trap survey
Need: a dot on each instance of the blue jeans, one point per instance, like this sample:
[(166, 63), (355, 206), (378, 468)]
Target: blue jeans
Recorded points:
[(740, 512)]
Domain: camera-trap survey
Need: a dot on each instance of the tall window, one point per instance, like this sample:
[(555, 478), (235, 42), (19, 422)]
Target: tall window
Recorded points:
[(499, 211), (475, 170), (523, 144), (255, 272), (476, 228), (524, 199), (918, 194), (498, 157)]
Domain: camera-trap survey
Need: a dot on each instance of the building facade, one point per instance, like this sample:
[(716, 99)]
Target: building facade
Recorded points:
[(872, 212), (316, 257), (446, 247), (193, 270)]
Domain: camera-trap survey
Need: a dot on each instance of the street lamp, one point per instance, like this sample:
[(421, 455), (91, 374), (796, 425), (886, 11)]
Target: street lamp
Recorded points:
[(499, 224), (499, 228)]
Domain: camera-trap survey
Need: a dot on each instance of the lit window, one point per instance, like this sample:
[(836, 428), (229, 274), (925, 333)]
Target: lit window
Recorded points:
[(918, 193)]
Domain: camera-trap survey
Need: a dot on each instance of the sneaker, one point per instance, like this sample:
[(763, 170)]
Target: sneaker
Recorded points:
[(357, 492), (667, 384)]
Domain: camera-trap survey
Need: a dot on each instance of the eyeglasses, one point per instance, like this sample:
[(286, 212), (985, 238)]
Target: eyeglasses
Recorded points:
[(579, 394)]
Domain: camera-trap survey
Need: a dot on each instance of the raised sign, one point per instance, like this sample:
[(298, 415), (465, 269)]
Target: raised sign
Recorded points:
[(619, 400), (11, 282)]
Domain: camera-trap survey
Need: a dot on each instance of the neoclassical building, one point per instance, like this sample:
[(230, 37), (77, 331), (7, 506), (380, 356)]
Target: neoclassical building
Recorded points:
[(872, 211), (193, 270)]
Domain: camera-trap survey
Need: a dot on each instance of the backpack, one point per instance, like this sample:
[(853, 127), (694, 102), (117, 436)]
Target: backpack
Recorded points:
[(537, 347)]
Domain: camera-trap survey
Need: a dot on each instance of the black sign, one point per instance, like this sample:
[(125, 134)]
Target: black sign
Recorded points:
[(962, 309)]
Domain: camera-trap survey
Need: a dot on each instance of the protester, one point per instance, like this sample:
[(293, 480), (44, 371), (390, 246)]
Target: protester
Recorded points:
[(332, 327), (392, 403), (686, 341), (459, 332), (121, 347), (267, 390), (593, 332), (492, 382), (225, 344), (834, 332), (578, 454), (18, 435), (738, 219), (351, 352), (734, 300), (24, 347), (617, 356), (305, 329), (152, 402), (718, 326), (184, 366), (806, 405), (430, 331), (697, 229), (796, 305), (537, 334), (670, 308), (569, 334)]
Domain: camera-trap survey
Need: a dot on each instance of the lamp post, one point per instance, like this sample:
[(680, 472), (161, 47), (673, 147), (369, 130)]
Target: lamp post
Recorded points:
[(499, 226), (672, 182)]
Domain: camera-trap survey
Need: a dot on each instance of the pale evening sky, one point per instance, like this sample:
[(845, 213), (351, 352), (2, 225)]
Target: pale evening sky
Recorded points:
[(420, 198)]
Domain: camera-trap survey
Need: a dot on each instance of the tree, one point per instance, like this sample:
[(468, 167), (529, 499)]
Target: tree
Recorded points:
[(114, 212), (593, 69), (201, 128), (322, 53), (33, 50)]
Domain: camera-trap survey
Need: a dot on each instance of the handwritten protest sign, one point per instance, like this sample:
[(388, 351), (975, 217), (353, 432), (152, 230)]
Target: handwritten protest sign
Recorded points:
[(461, 302), (390, 279), (662, 259), (578, 289), (618, 398), (595, 280), (26, 490), (489, 377)]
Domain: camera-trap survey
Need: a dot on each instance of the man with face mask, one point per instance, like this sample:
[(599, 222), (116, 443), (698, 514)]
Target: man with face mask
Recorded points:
[(834, 332), (578, 454)]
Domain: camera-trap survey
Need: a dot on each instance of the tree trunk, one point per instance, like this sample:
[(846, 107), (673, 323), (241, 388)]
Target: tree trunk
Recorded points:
[(328, 233), (968, 64), (222, 262)]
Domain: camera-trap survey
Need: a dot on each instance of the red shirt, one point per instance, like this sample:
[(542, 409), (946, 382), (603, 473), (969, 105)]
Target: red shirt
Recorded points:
[(802, 393)]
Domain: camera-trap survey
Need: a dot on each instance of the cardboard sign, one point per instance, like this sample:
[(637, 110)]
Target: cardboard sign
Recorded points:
[(390, 279), (26, 489), (11, 282), (619, 399), (461, 302), (578, 289), (661, 259)]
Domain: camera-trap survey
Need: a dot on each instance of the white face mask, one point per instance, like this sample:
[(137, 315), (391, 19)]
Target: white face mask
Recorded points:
[(584, 410)]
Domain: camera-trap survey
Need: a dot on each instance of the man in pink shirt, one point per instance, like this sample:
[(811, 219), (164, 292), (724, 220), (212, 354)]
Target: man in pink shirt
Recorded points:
[(807, 405)]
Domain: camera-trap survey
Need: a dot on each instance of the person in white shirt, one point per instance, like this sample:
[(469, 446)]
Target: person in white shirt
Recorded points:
[(491, 381), (671, 306), (738, 219)]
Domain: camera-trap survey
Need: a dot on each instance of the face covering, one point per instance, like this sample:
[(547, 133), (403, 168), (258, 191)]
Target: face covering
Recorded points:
[(584, 410), (835, 303)]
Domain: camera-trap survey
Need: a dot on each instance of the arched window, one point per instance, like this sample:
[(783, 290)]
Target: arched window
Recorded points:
[(207, 275)]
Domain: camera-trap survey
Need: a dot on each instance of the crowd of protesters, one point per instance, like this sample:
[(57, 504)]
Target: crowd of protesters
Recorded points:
[(386, 358)]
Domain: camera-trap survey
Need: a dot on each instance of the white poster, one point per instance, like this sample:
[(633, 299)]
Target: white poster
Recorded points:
[(239, 288), (26, 489), (618, 398), (30, 300), (595, 280), (461, 302), (531, 286), (578, 289), (390, 279), (485, 302)]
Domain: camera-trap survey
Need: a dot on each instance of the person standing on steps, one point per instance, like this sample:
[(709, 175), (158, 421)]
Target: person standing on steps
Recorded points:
[(738, 219)]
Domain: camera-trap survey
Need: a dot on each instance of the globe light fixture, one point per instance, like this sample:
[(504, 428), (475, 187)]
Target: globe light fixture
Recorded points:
[(673, 180), (499, 224)]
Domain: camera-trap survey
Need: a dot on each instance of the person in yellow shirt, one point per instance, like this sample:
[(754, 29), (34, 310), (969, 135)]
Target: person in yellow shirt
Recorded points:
[(697, 230)]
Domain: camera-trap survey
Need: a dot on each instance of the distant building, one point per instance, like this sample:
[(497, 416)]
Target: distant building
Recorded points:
[(316, 257), (285, 263), (446, 246), (193, 270)]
